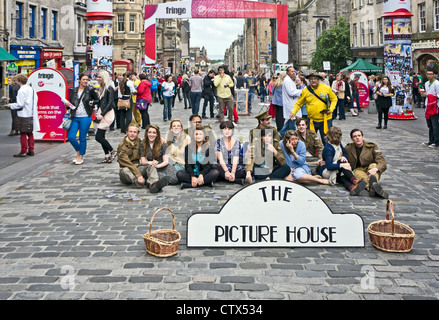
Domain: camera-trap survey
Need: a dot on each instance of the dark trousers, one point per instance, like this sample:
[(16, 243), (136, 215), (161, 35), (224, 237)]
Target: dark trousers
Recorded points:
[(125, 118), (14, 117), (279, 117), (100, 137), (184, 177), (339, 109), (187, 99), (222, 173), (211, 100), (145, 117), (383, 112), (433, 129), (278, 173), (346, 177)]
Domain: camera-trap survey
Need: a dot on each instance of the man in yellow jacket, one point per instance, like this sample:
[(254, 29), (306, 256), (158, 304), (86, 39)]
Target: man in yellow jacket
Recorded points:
[(319, 113)]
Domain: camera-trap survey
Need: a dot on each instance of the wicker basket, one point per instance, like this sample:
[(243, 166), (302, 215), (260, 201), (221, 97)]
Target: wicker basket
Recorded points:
[(389, 235), (162, 243)]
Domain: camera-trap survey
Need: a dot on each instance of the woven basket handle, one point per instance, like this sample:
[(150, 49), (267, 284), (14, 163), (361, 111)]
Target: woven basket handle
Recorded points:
[(389, 206), (173, 218)]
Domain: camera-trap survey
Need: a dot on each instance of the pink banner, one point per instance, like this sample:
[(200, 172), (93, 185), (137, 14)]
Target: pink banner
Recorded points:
[(232, 9)]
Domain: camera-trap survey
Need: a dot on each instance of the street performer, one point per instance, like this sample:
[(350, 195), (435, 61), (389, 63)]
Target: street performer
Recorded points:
[(317, 97), (367, 162), (132, 162)]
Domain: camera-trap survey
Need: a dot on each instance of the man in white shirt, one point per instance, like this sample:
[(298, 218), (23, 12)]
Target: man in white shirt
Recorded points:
[(290, 94), (27, 115), (432, 88)]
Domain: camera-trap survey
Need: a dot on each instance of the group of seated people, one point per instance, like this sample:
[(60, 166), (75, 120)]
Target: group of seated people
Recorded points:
[(195, 158)]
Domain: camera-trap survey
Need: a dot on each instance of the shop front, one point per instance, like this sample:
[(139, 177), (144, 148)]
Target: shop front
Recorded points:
[(372, 55), (425, 56), (51, 57), (28, 58)]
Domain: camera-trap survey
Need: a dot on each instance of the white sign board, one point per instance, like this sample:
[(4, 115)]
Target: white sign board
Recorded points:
[(275, 213), (326, 65)]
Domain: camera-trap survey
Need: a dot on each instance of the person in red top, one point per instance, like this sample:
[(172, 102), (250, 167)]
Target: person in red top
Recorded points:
[(144, 92), (161, 80), (180, 85)]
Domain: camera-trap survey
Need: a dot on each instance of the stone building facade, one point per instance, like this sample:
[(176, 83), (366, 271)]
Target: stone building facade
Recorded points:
[(306, 20)]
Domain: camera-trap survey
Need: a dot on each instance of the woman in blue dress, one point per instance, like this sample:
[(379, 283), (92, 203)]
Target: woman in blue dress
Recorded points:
[(295, 155)]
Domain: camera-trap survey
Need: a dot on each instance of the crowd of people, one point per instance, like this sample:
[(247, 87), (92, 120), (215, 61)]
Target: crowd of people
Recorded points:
[(303, 147)]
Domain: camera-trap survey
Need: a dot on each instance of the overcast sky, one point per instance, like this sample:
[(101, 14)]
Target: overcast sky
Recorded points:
[(216, 35)]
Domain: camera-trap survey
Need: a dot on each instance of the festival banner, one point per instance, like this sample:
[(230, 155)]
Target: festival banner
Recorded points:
[(364, 87), (50, 87)]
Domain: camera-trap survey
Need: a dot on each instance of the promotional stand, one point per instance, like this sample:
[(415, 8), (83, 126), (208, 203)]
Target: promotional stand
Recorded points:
[(398, 56), (51, 87)]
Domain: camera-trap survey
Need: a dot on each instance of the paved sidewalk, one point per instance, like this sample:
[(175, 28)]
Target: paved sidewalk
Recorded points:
[(62, 238)]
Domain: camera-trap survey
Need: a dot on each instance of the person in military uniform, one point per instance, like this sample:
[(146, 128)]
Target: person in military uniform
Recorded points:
[(132, 162), (314, 146), (265, 159), (264, 121), (367, 162)]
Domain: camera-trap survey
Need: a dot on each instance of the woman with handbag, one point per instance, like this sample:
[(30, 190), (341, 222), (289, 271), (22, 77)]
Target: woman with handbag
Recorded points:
[(144, 99), (105, 115), (384, 101), (123, 103), (27, 116), (338, 86), (81, 109)]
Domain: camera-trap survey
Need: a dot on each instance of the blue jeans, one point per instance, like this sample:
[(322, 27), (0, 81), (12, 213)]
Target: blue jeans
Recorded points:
[(167, 107), (289, 125), (82, 124), (356, 98), (251, 96), (262, 93), (195, 101), (340, 109)]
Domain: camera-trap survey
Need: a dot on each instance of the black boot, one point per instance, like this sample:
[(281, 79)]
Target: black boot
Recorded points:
[(186, 185), (378, 126), (159, 185)]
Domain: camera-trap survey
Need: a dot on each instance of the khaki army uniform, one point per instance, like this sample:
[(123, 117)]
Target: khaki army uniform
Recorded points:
[(370, 157), (255, 156)]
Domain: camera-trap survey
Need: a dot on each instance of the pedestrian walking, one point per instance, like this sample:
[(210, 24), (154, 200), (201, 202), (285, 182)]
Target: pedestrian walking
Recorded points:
[(168, 91), (27, 115), (105, 115), (82, 99), (124, 103), (338, 86), (13, 91), (223, 84), (196, 83), (144, 99), (431, 93), (186, 88), (207, 94)]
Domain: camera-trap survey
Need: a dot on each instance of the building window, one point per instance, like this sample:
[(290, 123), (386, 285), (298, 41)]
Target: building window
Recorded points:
[(361, 3), (320, 27), (363, 34), (132, 22), (380, 31), (43, 23), (18, 20), (355, 32), (54, 25), (371, 34), (32, 10), (121, 23), (436, 14), (79, 31), (422, 19), (354, 4)]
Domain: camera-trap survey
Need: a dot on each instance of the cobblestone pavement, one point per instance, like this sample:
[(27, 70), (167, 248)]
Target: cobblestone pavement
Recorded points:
[(62, 238)]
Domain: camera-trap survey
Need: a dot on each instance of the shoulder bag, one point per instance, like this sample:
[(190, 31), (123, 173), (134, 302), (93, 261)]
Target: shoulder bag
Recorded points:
[(67, 119)]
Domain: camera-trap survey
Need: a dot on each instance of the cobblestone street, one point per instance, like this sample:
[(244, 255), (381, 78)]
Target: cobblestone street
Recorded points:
[(63, 237)]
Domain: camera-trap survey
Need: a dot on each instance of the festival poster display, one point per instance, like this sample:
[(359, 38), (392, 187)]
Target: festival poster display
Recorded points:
[(275, 213), (100, 45), (398, 56), (364, 87), (224, 9), (50, 87)]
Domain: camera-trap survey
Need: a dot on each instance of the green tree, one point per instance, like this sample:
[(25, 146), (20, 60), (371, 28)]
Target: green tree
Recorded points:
[(333, 45)]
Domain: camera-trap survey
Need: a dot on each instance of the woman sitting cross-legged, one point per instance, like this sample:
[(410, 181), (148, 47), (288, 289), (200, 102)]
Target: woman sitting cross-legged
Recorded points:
[(265, 159), (295, 155), (198, 167), (337, 167), (155, 153), (227, 154)]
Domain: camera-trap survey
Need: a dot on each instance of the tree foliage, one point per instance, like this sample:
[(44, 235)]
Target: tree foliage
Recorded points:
[(333, 45)]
